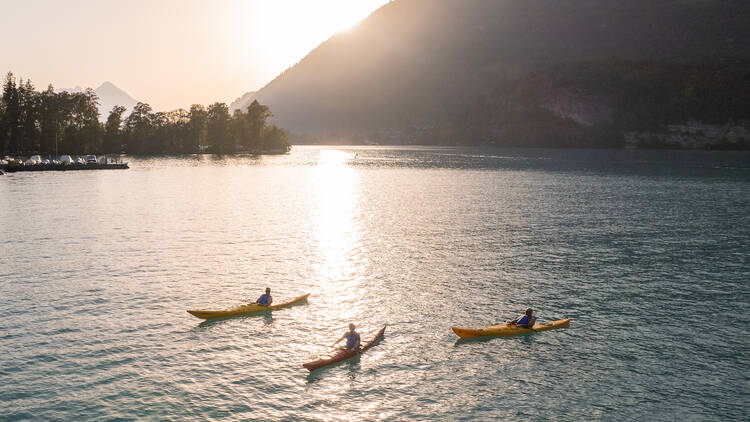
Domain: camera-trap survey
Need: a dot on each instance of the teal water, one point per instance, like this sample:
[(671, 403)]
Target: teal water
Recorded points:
[(648, 252)]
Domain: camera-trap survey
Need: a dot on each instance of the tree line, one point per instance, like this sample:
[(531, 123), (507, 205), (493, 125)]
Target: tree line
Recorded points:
[(51, 123)]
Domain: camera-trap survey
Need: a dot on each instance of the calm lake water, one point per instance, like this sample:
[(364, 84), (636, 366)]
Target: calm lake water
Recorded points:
[(648, 252)]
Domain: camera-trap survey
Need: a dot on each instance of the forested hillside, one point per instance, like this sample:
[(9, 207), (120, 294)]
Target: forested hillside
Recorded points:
[(521, 71)]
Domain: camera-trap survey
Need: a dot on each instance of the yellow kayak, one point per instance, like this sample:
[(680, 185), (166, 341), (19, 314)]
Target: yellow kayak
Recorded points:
[(508, 329), (250, 308)]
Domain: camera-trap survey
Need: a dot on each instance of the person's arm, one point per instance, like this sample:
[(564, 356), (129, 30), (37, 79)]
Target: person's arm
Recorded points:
[(532, 321), (270, 300), (337, 341), (359, 342)]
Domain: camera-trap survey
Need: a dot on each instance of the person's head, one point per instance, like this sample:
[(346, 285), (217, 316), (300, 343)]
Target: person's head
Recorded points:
[(268, 290), (529, 311), (351, 328)]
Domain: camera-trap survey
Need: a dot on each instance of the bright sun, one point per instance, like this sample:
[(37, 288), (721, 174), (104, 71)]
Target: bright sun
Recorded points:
[(291, 29)]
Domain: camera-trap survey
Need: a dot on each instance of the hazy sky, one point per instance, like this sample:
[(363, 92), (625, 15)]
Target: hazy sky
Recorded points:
[(169, 53)]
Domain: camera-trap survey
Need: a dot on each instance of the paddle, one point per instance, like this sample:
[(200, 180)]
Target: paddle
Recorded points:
[(327, 346)]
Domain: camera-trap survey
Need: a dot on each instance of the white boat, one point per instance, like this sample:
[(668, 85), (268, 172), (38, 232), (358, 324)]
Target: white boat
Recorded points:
[(33, 160)]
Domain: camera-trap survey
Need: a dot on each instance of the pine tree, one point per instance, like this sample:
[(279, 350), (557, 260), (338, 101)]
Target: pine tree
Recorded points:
[(11, 119), (28, 106), (112, 130), (197, 125), (218, 133)]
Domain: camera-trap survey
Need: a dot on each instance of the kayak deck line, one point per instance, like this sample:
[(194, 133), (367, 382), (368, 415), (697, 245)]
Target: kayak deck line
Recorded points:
[(342, 354), (506, 329), (247, 309)]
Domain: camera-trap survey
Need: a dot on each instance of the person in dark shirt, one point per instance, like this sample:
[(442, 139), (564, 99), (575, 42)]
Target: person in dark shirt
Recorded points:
[(352, 339), (526, 321), (265, 299)]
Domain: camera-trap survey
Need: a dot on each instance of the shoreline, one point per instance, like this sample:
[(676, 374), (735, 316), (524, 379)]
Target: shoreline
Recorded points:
[(63, 167)]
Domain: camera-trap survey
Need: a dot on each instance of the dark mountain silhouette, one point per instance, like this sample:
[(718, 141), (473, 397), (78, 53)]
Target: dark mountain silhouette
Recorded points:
[(520, 71)]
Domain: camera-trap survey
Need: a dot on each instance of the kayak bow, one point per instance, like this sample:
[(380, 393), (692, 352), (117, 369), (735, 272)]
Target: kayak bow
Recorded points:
[(249, 309), (508, 329), (342, 354)]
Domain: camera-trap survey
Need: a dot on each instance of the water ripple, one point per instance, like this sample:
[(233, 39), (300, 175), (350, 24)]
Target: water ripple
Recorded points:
[(647, 252)]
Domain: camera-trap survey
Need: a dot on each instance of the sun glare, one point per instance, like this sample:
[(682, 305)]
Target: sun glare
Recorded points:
[(338, 233), (291, 29)]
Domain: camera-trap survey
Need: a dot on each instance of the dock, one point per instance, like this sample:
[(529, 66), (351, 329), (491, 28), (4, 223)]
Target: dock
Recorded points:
[(63, 167)]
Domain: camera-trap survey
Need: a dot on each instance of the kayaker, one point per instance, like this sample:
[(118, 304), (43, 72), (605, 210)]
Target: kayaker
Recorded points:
[(265, 299), (352, 338), (526, 321)]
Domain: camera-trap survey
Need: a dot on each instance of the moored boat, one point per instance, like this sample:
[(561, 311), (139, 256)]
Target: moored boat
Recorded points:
[(249, 309)]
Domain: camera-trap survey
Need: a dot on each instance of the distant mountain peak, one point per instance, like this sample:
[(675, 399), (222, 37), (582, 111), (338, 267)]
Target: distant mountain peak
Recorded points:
[(110, 95), (242, 102), (110, 87), (71, 90)]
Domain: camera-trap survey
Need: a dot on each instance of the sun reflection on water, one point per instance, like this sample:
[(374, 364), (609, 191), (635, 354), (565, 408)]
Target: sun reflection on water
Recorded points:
[(338, 232)]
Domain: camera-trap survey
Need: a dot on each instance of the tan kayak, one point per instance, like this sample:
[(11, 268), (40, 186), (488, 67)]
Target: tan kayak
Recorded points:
[(508, 329), (342, 354), (249, 309)]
